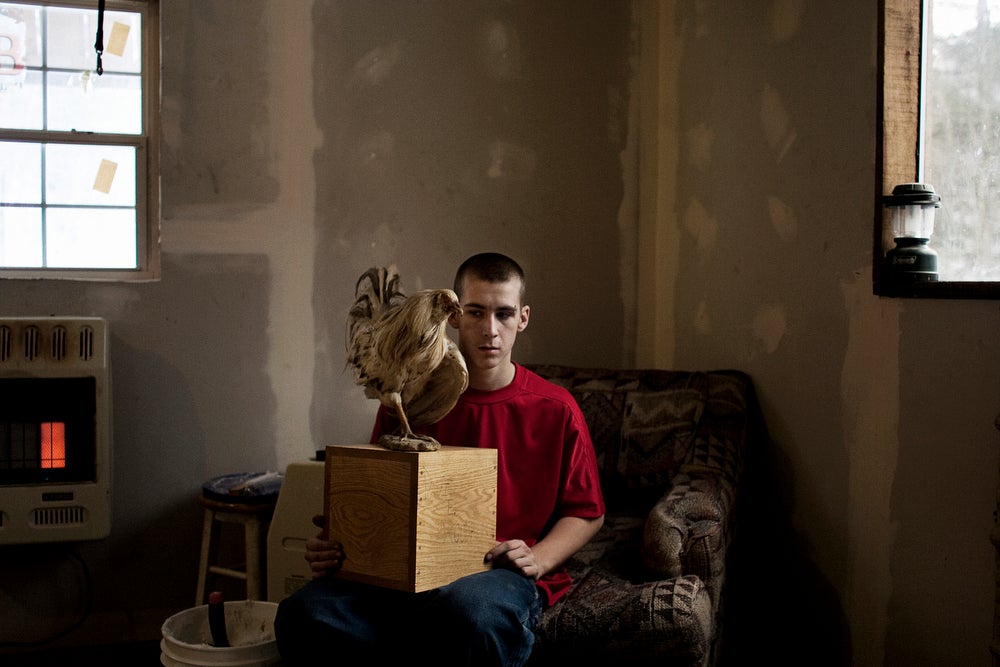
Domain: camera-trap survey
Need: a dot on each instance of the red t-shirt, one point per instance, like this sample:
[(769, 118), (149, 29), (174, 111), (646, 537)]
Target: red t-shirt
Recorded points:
[(546, 467)]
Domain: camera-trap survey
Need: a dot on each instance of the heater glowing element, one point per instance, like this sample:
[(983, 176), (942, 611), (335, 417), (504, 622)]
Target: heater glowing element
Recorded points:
[(53, 454)]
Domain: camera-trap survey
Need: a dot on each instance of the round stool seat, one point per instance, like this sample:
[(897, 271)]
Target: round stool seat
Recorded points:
[(244, 498), (258, 507), (244, 487)]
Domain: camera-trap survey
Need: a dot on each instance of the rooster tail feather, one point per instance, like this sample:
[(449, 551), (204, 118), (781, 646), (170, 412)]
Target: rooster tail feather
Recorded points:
[(376, 290), (375, 293)]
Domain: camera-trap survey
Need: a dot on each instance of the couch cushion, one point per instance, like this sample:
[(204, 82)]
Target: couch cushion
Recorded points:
[(616, 622), (614, 611)]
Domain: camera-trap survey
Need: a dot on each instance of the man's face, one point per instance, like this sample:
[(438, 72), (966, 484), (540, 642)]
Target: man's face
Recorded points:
[(492, 316)]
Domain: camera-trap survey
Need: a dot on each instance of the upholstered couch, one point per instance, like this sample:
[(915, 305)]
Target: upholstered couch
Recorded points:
[(650, 588)]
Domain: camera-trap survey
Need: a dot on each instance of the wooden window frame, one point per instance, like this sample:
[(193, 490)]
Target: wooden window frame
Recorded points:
[(897, 147), (147, 156)]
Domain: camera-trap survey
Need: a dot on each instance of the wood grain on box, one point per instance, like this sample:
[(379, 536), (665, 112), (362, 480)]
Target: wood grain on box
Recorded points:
[(411, 520)]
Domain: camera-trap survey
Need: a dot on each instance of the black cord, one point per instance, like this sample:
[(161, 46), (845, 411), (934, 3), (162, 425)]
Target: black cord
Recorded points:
[(89, 603), (99, 43)]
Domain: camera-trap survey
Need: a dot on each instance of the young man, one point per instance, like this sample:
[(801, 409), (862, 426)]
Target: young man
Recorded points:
[(549, 504)]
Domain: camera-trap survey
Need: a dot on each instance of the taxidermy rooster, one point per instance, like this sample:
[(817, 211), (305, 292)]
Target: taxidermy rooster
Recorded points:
[(402, 356)]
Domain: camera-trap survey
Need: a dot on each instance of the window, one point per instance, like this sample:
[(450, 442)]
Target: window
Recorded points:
[(939, 124), (78, 148)]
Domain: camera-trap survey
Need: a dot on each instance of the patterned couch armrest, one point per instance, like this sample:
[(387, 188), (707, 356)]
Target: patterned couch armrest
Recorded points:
[(689, 529), (686, 532)]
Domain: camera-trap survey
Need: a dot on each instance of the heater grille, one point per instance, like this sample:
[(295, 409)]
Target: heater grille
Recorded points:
[(57, 517), (45, 346)]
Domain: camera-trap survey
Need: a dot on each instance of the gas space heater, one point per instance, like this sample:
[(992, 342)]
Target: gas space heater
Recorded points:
[(55, 429)]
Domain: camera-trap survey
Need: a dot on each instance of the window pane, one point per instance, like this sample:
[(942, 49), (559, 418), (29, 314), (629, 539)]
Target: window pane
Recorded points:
[(89, 103), (20, 172), (20, 27), (97, 175), (122, 42), (20, 237), (80, 99), (71, 40), (962, 136), (91, 238), (21, 102), (20, 86)]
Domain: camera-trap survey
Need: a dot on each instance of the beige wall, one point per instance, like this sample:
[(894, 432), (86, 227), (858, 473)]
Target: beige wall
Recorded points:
[(688, 185), (881, 410)]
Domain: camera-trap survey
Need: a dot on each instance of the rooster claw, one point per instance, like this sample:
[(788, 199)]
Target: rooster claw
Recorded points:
[(413, 443)]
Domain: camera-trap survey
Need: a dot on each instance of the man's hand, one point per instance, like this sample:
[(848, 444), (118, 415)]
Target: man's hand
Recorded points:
[(515, 555), (325, 556), (562, 541)]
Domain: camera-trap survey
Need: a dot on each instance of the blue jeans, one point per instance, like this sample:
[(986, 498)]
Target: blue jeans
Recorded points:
[(487, 618)]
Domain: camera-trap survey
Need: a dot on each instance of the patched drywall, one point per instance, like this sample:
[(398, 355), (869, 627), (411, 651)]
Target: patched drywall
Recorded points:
[(449, 129), (880, 411), (219, 150)]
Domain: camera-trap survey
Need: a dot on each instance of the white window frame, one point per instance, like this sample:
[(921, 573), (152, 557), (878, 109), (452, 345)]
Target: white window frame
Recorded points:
[(146, 144), (898, 137)]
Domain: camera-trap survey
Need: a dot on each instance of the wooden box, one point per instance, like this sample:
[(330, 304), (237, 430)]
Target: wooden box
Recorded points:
[(411, 520)]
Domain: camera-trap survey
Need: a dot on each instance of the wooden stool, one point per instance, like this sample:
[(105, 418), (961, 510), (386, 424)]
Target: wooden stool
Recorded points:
[(255, 517)]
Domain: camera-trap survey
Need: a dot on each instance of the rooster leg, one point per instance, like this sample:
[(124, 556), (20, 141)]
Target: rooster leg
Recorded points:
[(406, 440), (397, 404)]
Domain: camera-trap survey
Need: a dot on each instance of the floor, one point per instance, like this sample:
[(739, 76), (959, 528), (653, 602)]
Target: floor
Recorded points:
[(134, 654)]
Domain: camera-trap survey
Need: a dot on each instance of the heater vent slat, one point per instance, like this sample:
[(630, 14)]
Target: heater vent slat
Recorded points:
[(57, 517), (86, 343), (32, 340), (5, 343), (58, 343)]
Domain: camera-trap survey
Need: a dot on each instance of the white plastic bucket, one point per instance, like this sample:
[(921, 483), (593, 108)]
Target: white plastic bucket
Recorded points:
[(187, 639)]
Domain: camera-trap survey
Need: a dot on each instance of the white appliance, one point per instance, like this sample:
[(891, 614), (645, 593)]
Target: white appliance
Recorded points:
[(300, 498)]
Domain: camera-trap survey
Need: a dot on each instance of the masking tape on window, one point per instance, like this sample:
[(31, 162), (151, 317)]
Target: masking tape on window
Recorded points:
[(117, 39), (105, 176)]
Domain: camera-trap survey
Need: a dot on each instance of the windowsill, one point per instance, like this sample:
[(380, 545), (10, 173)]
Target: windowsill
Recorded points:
[(939, 290)]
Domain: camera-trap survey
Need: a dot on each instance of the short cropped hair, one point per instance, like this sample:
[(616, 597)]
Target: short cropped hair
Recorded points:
[(492, 267)]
